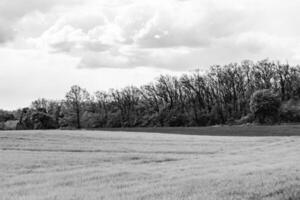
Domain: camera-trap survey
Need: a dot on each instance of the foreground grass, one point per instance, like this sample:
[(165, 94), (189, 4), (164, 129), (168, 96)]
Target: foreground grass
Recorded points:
[(120, 165)]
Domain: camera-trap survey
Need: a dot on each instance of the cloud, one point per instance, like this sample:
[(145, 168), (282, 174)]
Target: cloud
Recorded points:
[(134, 34), (152, 24), (12, 11), (192, 25), (79, 31), (130, 58), (170, 34), (5, 32), (70, 39)]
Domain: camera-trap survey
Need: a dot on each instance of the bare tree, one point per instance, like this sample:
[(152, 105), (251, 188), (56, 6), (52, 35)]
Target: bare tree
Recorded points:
[(76, 98)]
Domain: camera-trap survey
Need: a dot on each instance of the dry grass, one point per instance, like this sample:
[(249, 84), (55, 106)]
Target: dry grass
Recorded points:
[(120, 165)]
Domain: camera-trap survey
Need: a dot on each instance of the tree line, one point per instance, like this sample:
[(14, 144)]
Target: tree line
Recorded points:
[(246, 92)]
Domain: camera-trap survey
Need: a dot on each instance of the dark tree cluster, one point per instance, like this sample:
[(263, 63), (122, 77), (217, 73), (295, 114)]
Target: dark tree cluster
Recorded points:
[(6, 116), (262, 92)]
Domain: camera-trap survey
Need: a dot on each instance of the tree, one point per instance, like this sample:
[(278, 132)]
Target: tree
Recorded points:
[(36, 119), (42, 120), (265, 105), (222, 94), (40, 104), (5, 116), (25, 121), (102, 102), (75, 99)]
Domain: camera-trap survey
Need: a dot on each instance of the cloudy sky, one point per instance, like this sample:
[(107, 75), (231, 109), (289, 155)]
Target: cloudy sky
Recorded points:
[(48, 45)]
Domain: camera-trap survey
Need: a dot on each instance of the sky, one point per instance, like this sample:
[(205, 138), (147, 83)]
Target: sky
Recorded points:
[(46, 46)]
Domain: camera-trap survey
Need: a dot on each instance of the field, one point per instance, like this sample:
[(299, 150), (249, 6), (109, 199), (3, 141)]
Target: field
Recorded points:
[(90, 165)]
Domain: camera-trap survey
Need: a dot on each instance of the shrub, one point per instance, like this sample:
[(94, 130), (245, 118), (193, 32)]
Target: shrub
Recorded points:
[(10, 125), (43, 120), (90, 120), (1, 125), (5, 116), (25, 121), (245, 119), (178, 120), (290, 111), (36, 120), (264, 104)]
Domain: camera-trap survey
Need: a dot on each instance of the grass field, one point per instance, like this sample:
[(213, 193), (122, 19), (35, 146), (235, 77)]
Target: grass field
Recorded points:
[(55, 165)]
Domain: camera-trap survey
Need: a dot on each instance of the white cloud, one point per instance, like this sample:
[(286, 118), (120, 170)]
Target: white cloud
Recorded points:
[(126, 34), (14, 11)]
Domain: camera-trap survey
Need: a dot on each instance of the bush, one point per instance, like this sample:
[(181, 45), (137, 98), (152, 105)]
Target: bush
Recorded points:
[(290, 111), (114, 120), (5, 116), (36, 120), (90, 120), (42, 120), (203, 119), (1, 125), (10, 125), (245, 119), (178, 120), (25, 121), (264, 104)]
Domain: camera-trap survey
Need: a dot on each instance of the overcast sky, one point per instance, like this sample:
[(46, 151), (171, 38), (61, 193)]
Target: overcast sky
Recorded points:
[(48, 45)]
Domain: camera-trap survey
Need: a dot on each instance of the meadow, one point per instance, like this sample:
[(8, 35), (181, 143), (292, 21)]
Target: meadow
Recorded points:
[(90, 165)]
